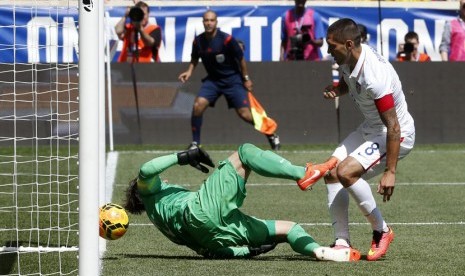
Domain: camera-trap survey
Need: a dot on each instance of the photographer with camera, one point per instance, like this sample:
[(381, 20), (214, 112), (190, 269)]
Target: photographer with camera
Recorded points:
[(141, 40), (409, 50), (298, 38)]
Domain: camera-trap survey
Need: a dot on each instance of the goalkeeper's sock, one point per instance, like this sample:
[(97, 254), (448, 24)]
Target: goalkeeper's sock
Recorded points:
[(196, 124), (268, 163), (301, 242)]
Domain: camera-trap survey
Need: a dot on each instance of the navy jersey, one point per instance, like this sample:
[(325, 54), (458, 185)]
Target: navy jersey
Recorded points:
[(220, 55)]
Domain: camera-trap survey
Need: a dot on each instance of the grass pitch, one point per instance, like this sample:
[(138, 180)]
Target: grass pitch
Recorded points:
[(426, 213)]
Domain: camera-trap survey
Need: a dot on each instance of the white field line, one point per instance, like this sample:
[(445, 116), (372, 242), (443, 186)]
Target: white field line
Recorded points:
[(357, 223), (106, 194), (110, 175), (372, 184), (279, 152), (293, 184)]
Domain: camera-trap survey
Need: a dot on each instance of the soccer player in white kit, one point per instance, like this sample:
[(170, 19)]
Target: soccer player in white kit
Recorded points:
[(386, 135)]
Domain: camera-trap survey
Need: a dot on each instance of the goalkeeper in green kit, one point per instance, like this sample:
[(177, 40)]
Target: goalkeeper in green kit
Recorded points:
[(209, 220)]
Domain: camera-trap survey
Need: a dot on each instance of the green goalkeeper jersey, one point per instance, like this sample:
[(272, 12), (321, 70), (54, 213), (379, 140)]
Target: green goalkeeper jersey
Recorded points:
[(207, 221)]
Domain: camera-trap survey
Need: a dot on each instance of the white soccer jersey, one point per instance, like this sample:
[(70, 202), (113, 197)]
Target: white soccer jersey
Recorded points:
[(372, 78)]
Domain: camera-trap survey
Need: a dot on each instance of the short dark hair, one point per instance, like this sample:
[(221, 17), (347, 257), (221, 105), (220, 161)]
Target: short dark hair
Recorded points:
[(133, 203), (411, 35), (345, 29), (209, 11), (142, 4)]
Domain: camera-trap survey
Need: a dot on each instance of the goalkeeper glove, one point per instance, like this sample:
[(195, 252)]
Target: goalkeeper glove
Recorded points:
[(255, 251), (197, 158)]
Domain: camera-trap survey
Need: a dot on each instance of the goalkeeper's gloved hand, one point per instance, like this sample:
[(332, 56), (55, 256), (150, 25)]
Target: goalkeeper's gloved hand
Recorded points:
[(255, 251), (197, 158)]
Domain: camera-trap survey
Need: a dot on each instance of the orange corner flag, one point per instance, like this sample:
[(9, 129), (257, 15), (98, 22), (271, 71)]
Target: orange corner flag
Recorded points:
[(262, 122)]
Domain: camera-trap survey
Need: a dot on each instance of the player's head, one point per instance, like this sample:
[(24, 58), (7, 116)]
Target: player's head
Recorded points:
[(343, 38), (210, 21), (133, 204)]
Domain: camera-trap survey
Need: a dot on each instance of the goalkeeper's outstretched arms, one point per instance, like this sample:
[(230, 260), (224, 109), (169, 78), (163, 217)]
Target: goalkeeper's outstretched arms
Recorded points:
[(197, 158), (149, 182)]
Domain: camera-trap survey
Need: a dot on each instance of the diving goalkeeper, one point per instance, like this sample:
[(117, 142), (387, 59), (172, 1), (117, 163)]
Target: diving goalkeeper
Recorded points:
[(209, 220)]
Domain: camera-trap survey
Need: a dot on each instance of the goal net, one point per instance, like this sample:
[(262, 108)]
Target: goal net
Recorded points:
[(39, 94)]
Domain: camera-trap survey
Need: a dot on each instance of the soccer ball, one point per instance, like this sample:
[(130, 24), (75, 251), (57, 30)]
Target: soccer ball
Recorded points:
[(114, 221)]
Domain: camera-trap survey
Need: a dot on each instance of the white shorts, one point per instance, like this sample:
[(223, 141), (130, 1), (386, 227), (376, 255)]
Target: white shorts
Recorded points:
[(370, 150)]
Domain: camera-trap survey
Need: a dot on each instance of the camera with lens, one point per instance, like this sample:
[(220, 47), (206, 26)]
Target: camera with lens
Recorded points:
[(136, 14), (408, 47), (299, 41), (406, 51)]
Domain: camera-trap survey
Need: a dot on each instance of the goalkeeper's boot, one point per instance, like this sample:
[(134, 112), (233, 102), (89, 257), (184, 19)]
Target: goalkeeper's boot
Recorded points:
[(380, 244), (274, 141), (313, 173), (342, 254)]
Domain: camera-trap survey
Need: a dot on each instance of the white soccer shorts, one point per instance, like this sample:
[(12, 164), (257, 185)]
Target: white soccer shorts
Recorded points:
[(370, 150)]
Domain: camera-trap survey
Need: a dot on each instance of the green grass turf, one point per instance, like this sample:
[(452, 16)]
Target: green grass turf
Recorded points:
[(426, 213)]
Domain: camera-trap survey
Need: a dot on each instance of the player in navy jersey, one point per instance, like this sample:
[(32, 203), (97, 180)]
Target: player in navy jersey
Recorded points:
[(224, 62)]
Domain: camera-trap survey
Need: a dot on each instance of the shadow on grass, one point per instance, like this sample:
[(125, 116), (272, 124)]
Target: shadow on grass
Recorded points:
[(166, 257), (8, 259), (200, 258)]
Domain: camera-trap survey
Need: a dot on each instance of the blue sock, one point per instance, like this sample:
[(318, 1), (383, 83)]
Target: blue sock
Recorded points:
[(196, 124)]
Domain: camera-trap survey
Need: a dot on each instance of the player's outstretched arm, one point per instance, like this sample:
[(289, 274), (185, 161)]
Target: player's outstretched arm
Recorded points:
[(197, 158), (149, 180)]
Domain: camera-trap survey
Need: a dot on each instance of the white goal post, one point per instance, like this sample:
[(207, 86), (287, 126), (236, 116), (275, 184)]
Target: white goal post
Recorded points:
[(52, 136), (92, 108)]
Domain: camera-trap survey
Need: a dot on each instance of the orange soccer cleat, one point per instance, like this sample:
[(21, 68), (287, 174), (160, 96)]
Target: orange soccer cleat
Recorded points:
[(313, 173), (380, 244)]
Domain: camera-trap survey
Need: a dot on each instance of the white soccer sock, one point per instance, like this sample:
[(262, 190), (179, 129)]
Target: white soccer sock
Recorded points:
[(362, 194), (377, 221), (338, 204)]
